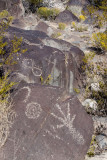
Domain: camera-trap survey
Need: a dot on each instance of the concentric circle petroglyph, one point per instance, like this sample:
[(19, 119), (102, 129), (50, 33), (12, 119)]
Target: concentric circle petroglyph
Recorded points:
[(33, 110), (65, 16)]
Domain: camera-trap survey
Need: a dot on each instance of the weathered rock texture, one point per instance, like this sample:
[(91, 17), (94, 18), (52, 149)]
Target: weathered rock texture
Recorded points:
[(15, 7), (76, 6), (46, 58), (47, 126), (66, 17)]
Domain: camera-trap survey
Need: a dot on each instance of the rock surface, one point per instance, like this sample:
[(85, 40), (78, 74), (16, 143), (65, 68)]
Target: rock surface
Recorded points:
[(66, 17), (48, 57), (47, 126), (103, 156), (15, 7)]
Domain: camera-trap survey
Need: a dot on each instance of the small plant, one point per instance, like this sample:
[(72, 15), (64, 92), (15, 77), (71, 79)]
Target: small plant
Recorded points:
[(73, 24), (100, 40), (46, 81), (56, 35), (79, 28), (47, 13), (91, 151), (7, 56), (61, 26), (99, 13), (82, 17), (77, 90)]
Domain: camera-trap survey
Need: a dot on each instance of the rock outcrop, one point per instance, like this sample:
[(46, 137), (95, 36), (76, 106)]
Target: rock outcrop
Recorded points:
[(47, 57), (66, 17), (15, 7), (47, 126)]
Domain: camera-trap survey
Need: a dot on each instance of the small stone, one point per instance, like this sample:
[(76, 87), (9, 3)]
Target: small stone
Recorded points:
[(102, 141), (95, 87), (90, 104)]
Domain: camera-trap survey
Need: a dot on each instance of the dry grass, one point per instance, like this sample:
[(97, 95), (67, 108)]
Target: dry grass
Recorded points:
[(7, 116)]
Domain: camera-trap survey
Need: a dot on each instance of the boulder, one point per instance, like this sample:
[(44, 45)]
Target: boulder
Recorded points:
[(78, 2), (42, 26), (76, 6), (102, 141), (15, 7), (90, 105), (48, 61), (47, 126), (95, 87), (2, 5), (55, 4), (66, 17)]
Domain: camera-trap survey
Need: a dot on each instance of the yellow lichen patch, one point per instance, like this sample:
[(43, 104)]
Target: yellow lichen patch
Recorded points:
[(82, 17)]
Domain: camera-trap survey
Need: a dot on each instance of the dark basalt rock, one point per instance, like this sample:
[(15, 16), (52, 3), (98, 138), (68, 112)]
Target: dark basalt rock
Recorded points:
[(15, 7), (78, 2), (66, 17), (47, 126), (2, 5), (42, 26), (60, 62)]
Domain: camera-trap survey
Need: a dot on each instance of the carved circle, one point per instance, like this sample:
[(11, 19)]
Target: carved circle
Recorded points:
[(33, 110), (65, 16)]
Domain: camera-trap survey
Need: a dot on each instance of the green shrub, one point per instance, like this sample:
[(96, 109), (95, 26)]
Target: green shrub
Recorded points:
[(47, 13), (79, 27), (100, 40), (36, 2), (7, 56), (82, 17), (98, 12), (91, 151), (56, 35), (47, 80), (61, 26)]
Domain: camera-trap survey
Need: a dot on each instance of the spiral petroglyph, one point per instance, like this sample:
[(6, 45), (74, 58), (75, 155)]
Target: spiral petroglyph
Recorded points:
[(33, 110)]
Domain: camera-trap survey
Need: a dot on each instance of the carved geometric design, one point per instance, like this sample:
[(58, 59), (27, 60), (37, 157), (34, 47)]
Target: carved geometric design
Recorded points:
[(33, 110), (67, 121)]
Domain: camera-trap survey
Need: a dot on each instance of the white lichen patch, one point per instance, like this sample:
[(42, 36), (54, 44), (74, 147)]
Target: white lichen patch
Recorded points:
[(67, 121), (33, 110)]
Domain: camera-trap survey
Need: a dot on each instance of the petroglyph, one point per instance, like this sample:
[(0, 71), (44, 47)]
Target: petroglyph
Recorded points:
[(49, 60), (33, 110), (27, 95), (67, 121), (65, 16), (7, 116), (17, 144), (53, 132), (29, 63)]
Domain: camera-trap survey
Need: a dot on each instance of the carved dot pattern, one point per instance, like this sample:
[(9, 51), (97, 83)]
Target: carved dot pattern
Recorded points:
[(33, 110)]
